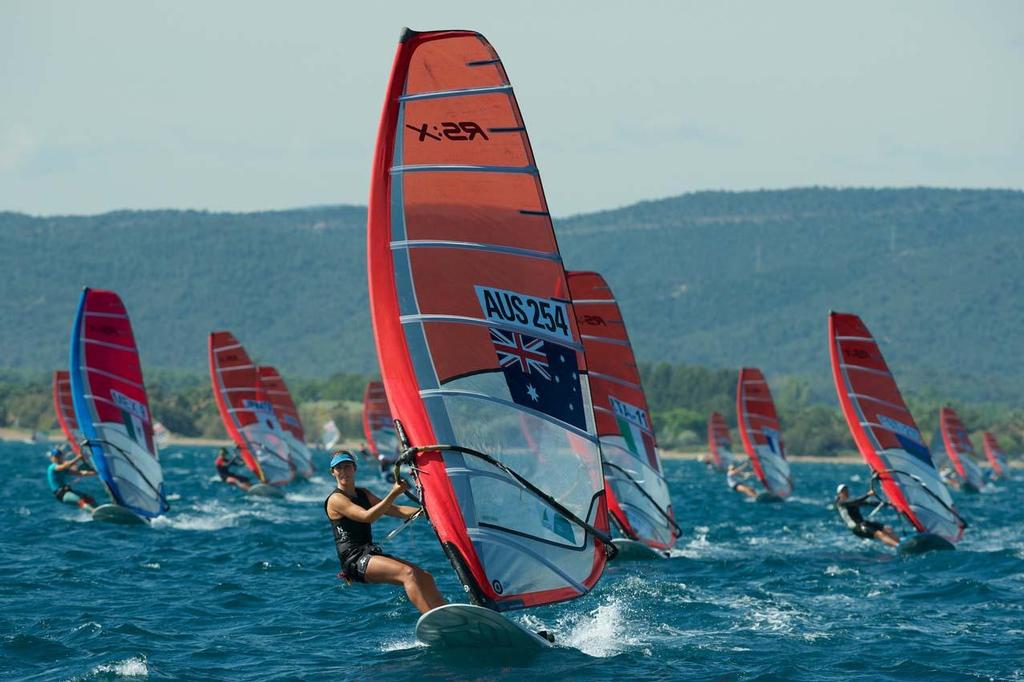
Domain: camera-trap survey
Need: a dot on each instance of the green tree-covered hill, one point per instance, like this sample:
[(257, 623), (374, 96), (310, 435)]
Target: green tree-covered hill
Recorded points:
[(720, 279)]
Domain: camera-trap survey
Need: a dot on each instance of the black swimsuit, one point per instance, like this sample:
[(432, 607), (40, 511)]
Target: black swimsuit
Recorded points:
[(225, 472), (353, 539), (849, 512)]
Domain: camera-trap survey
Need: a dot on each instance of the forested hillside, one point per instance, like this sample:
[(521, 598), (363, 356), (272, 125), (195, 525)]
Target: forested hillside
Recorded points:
[(714, 278)]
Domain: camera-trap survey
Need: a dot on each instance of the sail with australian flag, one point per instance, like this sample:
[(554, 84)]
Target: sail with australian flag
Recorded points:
[(247, 413), (719, 442), (638, 498), (111, 405), (761, 434), (886, 433), (476, 338)]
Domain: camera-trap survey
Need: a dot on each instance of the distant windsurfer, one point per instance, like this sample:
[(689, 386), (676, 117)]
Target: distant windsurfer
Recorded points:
[(949, 477), (734, 477), (351, 511), (57, 475), (224, 464), (849, 512)]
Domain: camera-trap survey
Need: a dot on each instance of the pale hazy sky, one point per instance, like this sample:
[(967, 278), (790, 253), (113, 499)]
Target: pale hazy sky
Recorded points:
[(260, 105)]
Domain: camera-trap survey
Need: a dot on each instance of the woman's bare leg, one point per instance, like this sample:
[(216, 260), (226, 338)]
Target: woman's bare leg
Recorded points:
[(419, 585)]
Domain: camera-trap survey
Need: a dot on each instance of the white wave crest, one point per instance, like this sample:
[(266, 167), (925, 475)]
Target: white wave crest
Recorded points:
[(130, 667), (601, 633)]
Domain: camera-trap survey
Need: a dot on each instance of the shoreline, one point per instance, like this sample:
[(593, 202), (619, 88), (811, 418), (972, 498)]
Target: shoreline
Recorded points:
[(698, 455), (18, 435)]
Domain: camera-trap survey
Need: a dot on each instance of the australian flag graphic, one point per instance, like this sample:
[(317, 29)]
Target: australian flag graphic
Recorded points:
[(541, 375)]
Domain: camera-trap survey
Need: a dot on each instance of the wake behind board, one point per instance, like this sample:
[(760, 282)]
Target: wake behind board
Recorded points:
[(631, 550), (264, 490), (919, 543), (768, 498), (465, 626), (114, 513)]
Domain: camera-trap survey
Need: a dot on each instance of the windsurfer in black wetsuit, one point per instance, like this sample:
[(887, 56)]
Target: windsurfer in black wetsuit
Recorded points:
[(734, 477), (849, 512), (351, 511), (228, 476)]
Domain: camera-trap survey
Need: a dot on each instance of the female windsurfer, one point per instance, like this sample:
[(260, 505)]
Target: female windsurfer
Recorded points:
[(57, 476), (351, 511), (849, 512), (228, 476), (735, 476)]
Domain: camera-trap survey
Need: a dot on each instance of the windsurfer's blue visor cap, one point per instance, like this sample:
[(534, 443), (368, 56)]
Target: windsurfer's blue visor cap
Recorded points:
[(341, 458)]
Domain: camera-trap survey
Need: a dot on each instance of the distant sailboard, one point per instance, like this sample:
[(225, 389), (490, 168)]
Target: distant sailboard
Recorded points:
[(64, 407), (888, 438), (378, 426), (960, 450), (246, 410), (638, 498), (112, 409), (720, 442), (761, 434), (995, 455), (161, 436), (330, 435), (475, 333), (276, 390)]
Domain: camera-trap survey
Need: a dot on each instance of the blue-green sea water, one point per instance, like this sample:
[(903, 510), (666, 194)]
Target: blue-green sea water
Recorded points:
[(228, 587)]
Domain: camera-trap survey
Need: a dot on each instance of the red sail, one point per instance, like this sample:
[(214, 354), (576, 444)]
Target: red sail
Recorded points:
[(378, 425), (994, 454), (638, 497), (762, 436), (276, 391), (885, 431), (245, 410), (719, 441), (959, 448), (473, 323), (65, 410), (111, 404)]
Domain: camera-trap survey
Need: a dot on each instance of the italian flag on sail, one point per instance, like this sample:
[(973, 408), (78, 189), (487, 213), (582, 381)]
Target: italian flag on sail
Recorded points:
[(135, 416), (636, 431)]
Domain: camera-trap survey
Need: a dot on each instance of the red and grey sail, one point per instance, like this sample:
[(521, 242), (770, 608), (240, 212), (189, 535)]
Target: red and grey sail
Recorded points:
[(276, 391), (995, 455), (638, 497), (476, 337), (111, 404), (761, 433), (64, 407), (885, 432), (959, 449), (246, 411), (378, 424), (719, 441)]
